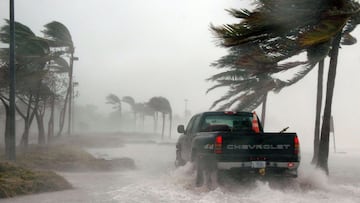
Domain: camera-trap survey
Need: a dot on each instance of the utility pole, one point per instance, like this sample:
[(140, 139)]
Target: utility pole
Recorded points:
[(72, 59), (75, 84), (11, 143)]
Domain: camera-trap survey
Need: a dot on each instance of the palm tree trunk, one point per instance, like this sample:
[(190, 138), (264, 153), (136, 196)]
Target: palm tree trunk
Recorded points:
[(263, 110), (155, 121), (325, 129), (70, 89), (7, 128), (142, 122), (62, 115), (41, 128), (135, 123), (25, 136), (170, 115), (163, 126), (24, 142), (318, 111), (51, 120), (28, 121)]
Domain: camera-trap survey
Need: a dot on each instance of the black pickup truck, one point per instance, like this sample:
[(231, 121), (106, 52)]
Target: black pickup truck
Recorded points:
[(235, 141)]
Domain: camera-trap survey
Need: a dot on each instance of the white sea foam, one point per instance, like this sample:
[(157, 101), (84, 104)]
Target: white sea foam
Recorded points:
[(312, 185)]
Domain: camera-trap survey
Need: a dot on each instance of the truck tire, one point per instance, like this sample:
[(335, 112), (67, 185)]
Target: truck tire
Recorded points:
[(205, 173), (179, 161)]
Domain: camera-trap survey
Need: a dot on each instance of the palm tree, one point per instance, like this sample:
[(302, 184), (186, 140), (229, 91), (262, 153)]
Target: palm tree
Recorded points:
[(146, 110), (131, 101), (115, 101), (59, 36), (322, 161), (162, 105), (277, 30), (55, 69), (32, 54), (347, 39), (319, 95)]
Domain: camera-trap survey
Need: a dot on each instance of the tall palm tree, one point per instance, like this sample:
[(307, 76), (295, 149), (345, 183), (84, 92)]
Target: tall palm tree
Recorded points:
[(162, 105), (59, 36), (347, 39), (54, 80), (32, 54), (146, 110), (318, 111), (281, 29), (131, 101), (115, 101)]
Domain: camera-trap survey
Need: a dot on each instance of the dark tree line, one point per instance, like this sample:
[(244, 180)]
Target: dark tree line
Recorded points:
[(151, 108), (43, 75)]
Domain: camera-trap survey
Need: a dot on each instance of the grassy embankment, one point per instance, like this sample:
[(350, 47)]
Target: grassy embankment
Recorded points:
[(33, 170), (17, 180)]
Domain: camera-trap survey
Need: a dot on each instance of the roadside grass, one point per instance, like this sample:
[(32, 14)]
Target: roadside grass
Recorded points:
[(68, 158), (16, 180), (32, 172)]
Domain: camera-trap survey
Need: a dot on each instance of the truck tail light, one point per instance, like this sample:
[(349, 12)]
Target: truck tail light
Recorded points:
[(296, 145), (218, 144), (255, 124)]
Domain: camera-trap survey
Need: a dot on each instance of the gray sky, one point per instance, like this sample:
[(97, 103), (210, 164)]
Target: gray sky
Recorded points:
[(145, 48)]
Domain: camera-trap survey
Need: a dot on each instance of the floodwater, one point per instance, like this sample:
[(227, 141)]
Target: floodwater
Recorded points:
[(157, 180)]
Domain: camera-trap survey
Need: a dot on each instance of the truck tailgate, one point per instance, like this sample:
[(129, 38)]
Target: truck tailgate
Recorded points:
[(258, 146)]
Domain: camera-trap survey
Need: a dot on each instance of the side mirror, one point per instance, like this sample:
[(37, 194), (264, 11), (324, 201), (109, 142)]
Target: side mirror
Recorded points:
[(181, 129)]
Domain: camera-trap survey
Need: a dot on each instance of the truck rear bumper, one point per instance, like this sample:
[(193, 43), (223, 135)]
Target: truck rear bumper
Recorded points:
[(280, 165)]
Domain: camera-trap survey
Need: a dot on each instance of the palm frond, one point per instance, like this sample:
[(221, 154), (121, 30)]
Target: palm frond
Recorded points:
[(324, 31), (129, 100), (221, 83), (223, 98), (59, 65), (112, 99), (241, 13), (231, 74), (250, 102), (59, 34), (296, 78)]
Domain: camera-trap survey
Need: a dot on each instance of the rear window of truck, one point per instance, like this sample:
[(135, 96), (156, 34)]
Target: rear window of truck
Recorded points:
[(226, 123)]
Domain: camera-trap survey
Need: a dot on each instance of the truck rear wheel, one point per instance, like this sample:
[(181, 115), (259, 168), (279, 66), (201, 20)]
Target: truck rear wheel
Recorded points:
[(205, 174)]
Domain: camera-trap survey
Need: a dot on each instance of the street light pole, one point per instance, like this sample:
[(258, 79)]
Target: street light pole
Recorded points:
[(75, 84), (11, 144), (72, 59)]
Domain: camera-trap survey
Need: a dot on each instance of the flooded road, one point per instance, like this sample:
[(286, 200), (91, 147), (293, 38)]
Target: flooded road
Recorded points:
[(156, 180)]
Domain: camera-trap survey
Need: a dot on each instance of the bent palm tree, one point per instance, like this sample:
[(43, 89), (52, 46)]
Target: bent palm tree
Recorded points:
[(277, 30), (115, 101), (162, 105), (131, 101), (32, 55), (59, 35)]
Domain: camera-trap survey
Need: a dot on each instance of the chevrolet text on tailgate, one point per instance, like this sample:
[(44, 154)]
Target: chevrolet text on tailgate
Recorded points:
[(235, 141), (259, 146)]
